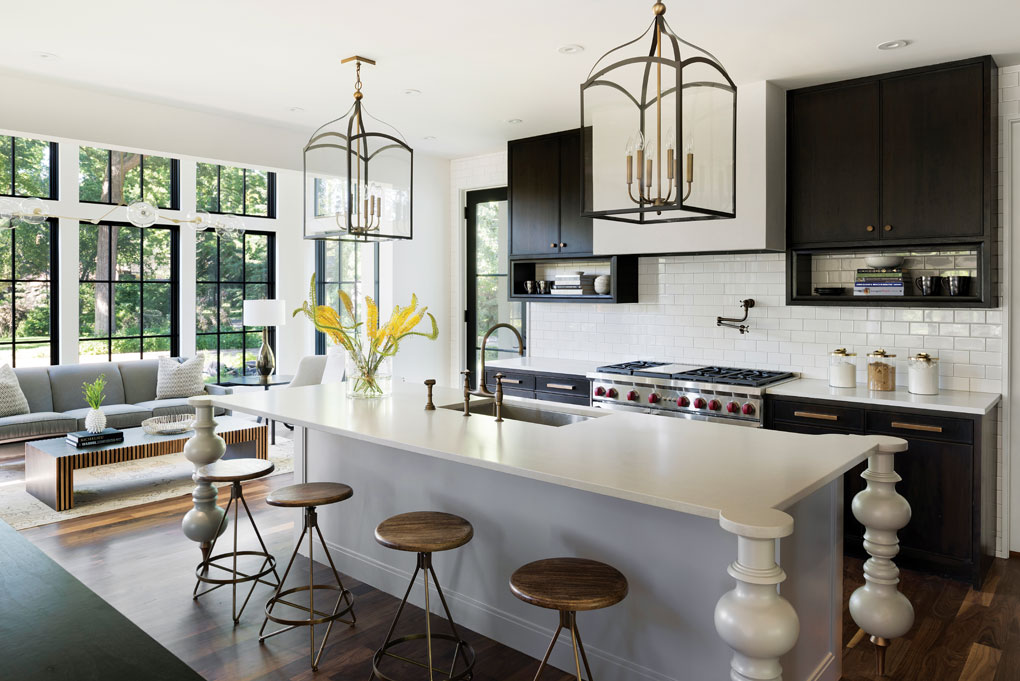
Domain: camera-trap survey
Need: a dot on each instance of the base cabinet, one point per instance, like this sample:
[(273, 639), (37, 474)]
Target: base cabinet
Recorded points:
[(563, 388), (948, 477)]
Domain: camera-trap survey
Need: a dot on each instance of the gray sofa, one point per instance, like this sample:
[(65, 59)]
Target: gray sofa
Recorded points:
[(58, 407)]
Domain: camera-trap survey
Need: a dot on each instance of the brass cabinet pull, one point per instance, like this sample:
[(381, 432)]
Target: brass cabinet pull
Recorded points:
[(813, 415), (888, 228), (916, 426), (552, 245), (562, 245), (870, 228), (560, 386), (512, 380)]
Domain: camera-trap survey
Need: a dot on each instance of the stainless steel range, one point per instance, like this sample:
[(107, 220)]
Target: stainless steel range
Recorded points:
[(720, 394)]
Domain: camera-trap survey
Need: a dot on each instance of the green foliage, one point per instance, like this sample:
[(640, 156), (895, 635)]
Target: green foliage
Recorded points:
[(31, 167), (227, 189), (118, 177), (95, 391)]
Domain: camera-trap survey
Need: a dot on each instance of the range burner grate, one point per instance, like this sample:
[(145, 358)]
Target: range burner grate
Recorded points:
[(729, 376), (628, 368)]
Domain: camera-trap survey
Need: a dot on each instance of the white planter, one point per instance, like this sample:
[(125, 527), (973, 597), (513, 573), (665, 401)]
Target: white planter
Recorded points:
[(95, 421)]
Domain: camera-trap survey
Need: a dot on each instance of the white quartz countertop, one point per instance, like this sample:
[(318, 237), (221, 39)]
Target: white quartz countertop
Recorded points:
[(958, 401), (704, 469), (547, 365)]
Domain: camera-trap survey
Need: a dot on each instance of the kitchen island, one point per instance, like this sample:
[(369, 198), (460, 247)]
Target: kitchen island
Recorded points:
[(660, 499)]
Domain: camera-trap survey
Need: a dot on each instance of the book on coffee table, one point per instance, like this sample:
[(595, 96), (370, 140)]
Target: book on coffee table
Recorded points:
[(84, 438)]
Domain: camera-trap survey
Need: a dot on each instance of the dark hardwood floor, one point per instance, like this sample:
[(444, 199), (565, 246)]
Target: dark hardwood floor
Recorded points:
[(139, 561)]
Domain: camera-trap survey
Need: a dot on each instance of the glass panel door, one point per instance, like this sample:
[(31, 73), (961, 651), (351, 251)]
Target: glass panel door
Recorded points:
[(487, 280)]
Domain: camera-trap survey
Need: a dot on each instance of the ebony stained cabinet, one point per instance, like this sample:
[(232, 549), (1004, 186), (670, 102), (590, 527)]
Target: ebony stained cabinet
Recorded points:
[(540, 385), (948, 478), (544, 195), (905, 157)]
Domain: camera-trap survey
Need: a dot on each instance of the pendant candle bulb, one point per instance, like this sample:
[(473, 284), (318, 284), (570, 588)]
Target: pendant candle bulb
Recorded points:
[(668, 97)]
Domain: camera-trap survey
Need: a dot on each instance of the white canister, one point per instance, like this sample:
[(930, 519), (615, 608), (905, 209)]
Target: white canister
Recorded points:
[(923, 374), (842, 369)]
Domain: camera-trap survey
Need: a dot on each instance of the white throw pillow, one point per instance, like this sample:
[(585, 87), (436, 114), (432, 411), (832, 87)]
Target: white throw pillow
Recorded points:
[(333, 372), (12, 398), (179, 379)]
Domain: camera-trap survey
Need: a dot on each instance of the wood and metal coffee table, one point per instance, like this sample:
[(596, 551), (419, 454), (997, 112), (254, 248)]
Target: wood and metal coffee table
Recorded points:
[(50, 464)]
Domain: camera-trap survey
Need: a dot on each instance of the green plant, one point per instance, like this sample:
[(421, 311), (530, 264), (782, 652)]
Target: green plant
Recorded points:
[(94, 391)]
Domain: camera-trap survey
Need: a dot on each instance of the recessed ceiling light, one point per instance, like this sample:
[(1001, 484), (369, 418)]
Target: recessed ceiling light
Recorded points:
[(893, 44), (411, 92), (570, 49), (429, 138), (296, 109), (515, 121), (47, 55)]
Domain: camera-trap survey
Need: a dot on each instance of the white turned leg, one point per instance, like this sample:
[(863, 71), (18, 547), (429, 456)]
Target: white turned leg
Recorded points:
[(204, 447), (760, 625), (878, 607)]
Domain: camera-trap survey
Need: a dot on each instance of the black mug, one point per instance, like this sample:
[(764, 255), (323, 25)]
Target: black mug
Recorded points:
[(927, 285), (956, 284)]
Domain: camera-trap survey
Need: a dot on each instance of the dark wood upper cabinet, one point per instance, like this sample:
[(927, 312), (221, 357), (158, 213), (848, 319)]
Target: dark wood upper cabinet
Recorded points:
[(834, 156), (933, 154), (544, 193), (910, 154)]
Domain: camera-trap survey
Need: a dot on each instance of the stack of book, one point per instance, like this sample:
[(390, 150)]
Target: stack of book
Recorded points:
[(879, 281), (574, 285), (83, 438)]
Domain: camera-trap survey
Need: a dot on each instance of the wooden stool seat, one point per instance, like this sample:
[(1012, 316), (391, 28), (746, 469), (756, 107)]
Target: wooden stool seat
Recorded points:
[(424, 532), (308, 494), (569, 584), (235, 470)]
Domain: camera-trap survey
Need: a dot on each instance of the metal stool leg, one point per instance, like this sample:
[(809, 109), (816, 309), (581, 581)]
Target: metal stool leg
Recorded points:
[(549, 650)]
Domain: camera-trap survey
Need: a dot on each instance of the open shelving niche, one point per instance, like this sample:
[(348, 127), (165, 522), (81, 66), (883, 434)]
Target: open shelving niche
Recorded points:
[(622, 271), (811, 268)]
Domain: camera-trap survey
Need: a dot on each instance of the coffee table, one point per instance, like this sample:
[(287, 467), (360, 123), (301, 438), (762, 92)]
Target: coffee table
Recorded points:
[(50, 464)]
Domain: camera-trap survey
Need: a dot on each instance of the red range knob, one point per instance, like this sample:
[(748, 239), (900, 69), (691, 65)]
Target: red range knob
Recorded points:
[(600, 391), (611, 392), (715, 405), (748, 408), (653, 398), (633, 396), (699, 403), (732, 407), (682, 401)]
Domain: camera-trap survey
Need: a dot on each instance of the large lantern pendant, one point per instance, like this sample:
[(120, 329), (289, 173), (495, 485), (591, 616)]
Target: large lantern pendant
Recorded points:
[(660, 132), (358, 182)]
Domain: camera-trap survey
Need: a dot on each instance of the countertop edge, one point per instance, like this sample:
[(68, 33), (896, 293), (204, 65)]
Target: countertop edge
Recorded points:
[(958, 401)]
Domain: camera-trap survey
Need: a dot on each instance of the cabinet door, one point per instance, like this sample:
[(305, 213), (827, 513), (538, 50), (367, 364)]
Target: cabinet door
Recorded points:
[(575, 231), (534, 196), (833, 164), (933, 154)]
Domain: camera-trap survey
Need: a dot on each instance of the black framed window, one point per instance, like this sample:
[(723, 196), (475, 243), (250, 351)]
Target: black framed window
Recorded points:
[(127, 292), (487, 281), (121, 177), (347, 266), (231, 270), (28, 167), (28, 304), (240, 191)]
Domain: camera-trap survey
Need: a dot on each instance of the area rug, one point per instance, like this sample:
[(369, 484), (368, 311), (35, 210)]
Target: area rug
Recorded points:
[(108, 488)]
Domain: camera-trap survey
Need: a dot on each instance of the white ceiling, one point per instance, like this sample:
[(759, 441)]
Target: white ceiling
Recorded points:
[(477, 63)]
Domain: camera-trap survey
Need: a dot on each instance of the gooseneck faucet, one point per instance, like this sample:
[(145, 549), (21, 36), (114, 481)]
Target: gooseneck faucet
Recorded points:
[(482, 391)]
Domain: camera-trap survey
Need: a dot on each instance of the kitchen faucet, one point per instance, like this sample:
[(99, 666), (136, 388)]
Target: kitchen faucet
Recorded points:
[(481, 391)]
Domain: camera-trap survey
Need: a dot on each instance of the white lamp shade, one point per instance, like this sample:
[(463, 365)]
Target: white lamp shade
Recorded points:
[(265, 312)]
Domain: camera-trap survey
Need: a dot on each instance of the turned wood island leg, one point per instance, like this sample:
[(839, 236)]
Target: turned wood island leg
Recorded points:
[(204, 447), (754, 620), (878, 607)]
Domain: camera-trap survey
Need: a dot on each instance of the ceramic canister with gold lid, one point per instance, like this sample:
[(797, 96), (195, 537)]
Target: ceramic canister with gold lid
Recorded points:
[(881, 371), (842, 369), (923, 374)]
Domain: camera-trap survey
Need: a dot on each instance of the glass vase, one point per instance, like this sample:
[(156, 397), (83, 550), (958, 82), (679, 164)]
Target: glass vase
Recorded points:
[(369, 379)]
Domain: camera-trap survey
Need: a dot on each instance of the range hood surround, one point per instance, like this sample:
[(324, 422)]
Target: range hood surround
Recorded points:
[(760, 222)]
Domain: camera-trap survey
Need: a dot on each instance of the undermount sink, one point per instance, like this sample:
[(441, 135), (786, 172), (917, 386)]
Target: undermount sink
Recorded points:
[(517, 412)]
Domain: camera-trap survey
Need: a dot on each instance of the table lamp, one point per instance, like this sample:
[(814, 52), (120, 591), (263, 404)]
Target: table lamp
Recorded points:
[(265, 313)]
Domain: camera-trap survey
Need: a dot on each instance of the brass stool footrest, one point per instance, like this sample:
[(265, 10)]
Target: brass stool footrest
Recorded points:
[(323, 618), (462, 648), (203, 568)]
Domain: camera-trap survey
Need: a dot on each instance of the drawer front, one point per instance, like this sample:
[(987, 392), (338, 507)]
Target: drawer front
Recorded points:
[(563, 385), (928, 427), (583, 400), (819, 415), (512, 380), (510, 392)]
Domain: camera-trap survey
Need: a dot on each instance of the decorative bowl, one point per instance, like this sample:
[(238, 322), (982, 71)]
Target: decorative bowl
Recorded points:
[(883, 261), (169, 425)]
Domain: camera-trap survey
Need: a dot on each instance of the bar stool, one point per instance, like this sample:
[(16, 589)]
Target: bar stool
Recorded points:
[(424, 532), (569, 585), (235, 471), (307, 496)]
